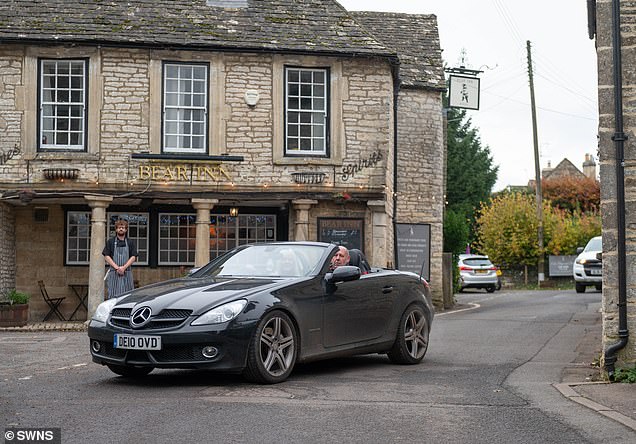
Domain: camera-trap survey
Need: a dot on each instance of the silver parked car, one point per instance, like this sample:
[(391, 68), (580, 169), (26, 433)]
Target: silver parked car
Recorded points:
[(476, 271)]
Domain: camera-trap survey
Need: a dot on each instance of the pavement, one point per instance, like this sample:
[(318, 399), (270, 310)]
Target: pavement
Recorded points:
[(581, 380)]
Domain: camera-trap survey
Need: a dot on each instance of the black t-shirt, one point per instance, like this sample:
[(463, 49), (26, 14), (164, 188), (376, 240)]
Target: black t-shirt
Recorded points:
[(109, 249)]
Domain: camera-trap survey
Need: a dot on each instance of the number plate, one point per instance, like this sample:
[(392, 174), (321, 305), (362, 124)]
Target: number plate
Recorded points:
[(596, 271), (134, 342), (481, 271)]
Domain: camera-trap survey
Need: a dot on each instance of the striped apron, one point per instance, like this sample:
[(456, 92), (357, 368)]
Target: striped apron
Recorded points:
[(119, 284)]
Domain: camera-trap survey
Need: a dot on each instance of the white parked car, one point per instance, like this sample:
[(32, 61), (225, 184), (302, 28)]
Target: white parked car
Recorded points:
[(588, 268), (476, 271)]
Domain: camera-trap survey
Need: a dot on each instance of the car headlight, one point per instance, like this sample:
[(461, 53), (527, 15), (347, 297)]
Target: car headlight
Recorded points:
[(103, 309), (222, 313), (581, 261)]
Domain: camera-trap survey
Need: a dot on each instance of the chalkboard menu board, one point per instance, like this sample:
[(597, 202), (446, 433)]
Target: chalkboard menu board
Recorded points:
[(414, 248), (347, 232)]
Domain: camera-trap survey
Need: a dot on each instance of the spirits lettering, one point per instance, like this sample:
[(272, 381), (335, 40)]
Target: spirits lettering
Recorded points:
[(5, 156), (350, 169)]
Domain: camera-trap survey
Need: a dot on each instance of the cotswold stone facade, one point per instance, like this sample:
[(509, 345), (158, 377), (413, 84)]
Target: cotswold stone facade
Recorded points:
[(608, 159), (65, 179)]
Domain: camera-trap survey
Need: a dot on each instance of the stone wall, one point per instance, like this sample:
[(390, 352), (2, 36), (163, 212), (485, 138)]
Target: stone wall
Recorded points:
[(607, 157), (7, 249), (421, 172)]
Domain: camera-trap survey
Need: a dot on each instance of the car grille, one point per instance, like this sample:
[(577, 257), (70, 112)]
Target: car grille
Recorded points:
[(597, 266), (169, 353), (168, 318)]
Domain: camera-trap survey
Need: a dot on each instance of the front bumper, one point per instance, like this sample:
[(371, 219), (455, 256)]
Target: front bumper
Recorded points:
[(588, 274), (180, 348)]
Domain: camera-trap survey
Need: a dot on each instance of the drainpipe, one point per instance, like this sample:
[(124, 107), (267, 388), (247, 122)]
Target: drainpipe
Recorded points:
[(619, 138), (396, 93)]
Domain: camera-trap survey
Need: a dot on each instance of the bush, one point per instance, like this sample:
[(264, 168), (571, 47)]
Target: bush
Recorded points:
[(625, 375), (17, 297)]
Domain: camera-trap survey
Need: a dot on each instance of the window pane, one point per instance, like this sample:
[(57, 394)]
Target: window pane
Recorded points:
[(62, 84), (78, 237), (305, 90), (185, 102)]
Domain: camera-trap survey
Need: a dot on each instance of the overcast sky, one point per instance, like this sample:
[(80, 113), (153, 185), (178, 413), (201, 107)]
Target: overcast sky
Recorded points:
[(492, 35)]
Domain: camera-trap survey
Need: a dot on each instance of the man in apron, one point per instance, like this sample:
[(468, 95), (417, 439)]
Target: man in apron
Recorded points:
[(120, 253)]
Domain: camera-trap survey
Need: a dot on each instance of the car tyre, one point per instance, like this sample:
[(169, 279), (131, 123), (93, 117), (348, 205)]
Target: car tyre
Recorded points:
[(599, 287), (411, 342), (580, 288), (130, 371), (491, 289), (272, 351)]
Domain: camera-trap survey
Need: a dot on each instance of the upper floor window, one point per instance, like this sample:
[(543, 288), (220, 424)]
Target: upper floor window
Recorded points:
[(307, 112), (62, 104), (185, 108)]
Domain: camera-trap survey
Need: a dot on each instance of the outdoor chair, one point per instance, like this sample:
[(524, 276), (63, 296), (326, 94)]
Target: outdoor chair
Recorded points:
[(53, 303)]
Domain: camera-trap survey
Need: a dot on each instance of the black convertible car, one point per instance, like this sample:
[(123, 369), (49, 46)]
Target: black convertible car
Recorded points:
[(261, 308)]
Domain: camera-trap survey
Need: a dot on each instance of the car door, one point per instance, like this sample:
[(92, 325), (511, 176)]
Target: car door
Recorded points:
[(358, 310)]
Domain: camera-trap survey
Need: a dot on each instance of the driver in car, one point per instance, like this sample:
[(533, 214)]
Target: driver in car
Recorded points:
[(341, 258)]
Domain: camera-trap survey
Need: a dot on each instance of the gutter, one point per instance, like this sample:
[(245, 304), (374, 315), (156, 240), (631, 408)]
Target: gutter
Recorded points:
[(619, 138)]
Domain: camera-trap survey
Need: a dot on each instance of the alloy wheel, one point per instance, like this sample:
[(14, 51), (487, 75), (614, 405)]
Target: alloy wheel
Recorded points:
[(277, 347)]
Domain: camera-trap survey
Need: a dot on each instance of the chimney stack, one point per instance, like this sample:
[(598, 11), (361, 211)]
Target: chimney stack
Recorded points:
[(589, 167)]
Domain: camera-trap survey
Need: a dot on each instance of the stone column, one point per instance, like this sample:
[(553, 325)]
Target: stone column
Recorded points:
[(96, 269), (301, 227), (379, 234), (202, 248)]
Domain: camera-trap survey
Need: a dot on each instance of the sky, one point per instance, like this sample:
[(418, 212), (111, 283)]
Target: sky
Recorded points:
[(491, 36)]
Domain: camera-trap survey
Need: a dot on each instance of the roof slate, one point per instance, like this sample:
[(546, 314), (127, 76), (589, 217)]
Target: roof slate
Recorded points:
[(281, 25), (416, 39), (307, 26)]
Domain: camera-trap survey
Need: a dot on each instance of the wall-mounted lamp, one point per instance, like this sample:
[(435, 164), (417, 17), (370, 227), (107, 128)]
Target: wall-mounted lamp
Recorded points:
[(234, 211)]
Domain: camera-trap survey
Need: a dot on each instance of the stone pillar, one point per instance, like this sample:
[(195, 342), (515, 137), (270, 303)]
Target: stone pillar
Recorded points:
[(301, 227), (202, 248), (379, 234), (96, 269)]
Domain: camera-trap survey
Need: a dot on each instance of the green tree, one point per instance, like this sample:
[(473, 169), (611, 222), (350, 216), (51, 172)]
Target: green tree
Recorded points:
[(455, 232), (471, 173)]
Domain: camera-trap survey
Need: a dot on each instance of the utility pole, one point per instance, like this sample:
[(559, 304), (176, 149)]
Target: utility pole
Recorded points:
[(537, 171)]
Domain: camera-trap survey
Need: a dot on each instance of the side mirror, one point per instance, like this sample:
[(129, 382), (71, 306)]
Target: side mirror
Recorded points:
[(599, 256), (344, 273), (579, 250)]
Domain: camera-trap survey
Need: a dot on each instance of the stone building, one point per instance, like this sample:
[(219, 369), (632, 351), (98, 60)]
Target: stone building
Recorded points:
[(565, 168), (617, 158), (207, 125)]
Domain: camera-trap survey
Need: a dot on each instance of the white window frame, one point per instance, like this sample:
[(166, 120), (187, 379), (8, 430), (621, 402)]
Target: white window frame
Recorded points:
[(306, 111), (184, 96), (255, 227), (136, 228), (65, 89), (82, 224), (175, 243)]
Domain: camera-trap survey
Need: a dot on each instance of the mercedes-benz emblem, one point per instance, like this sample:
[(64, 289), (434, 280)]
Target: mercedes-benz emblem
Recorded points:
[(140, 317)]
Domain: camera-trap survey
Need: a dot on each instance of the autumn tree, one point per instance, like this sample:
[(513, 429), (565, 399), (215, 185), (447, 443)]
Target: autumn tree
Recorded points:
[(507, 229), (574, 194)]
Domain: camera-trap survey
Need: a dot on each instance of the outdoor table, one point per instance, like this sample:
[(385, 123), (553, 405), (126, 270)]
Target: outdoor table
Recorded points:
[(81, 292)]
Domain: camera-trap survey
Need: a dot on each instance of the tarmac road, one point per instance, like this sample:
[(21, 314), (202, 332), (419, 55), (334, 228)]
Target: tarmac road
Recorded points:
[(488, 377)]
